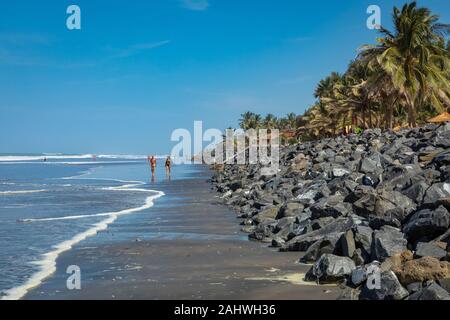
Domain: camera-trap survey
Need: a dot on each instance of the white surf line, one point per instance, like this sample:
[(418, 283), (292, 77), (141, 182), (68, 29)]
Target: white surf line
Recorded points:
[(89, 172), (70, 163), (48, 263), (106, 214), (21, 192), (84, 173), (43, 157)]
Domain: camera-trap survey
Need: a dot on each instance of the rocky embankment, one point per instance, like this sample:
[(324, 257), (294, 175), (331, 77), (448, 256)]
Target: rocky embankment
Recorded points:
[(370, 211)]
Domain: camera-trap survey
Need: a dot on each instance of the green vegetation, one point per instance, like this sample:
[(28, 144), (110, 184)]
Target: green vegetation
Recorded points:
[(403, 80)]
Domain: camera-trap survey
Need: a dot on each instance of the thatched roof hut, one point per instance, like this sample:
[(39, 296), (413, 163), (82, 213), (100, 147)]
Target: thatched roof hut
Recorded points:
[(288, 134), (444, 117)]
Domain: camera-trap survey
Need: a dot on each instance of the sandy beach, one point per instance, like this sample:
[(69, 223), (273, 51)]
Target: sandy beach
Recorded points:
[(192, 249)]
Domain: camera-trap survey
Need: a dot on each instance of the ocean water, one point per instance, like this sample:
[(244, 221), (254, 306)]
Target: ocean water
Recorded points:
[(46, 207)]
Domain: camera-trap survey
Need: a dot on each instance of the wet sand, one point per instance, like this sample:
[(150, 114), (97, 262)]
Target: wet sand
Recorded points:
[(192, 249)]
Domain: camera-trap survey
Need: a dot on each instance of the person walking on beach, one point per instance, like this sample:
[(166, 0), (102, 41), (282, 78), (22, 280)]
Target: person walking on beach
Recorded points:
[(152, 161), (168, 166)]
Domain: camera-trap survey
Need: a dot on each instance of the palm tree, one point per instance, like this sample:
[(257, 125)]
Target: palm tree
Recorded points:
[(291, 121), (250, 120), (270, 121), (283, 124), (325, 86), (256, 121), (411, 56), (246, 119)]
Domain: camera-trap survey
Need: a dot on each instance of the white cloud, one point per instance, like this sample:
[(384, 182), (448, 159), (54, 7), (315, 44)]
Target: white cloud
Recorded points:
[(19, 49), (137, 48), (23, 39), (195, 5)]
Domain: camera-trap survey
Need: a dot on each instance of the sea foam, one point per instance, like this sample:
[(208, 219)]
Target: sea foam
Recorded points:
[(57, 156), (47, 265), (21, 192)]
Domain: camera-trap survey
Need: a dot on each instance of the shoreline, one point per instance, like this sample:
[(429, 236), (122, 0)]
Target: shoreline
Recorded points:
[(47, 266), (192, 248)]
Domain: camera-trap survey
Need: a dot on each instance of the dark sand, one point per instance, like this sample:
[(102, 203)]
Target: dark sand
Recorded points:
[(195, 251)]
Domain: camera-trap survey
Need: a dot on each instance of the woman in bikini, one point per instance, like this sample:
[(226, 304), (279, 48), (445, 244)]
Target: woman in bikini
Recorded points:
[(168, 166)]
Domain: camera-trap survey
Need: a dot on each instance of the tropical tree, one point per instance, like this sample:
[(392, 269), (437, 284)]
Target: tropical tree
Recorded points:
[(250, 120), (291, 121), (412, 57), (270, 121), (404, 78)]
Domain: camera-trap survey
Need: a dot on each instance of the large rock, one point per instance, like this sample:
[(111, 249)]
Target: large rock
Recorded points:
[(304, 242), (335, 228), (392, 207), (323, 246), (388, 288), (422, 269), (368, 165), (445, 202), (248, 229), (442, 158), (330, 268), (430, 249), (397, 260), (360, 258), (300, 163), (359, 192), (445, 283), (432, 291), (269, 213), (264, 231), (347, 243), (361, 273), (284, 222), (427, 224), (290, 209), (363, 240), (284, 232), (386, 242), (435, 193), (340, 172), (333, 206), (321, 222), (235, 185), (414, 287), (308, 194), (268, 172), (417, 191)]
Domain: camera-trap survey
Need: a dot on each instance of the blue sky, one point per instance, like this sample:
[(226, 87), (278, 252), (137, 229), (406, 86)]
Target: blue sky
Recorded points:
[(139, 69)]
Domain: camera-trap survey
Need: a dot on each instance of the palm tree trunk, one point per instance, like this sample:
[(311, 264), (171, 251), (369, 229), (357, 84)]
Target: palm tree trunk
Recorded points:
[(390, 112), (391, 105), (343, 124), (363, 118), (386, 120), (411, 111)]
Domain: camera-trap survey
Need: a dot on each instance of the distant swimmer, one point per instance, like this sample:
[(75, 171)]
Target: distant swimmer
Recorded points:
[(168, 165), (45, 159)]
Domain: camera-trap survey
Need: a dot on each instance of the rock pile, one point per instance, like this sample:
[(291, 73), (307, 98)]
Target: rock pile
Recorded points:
[(351, 203)]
